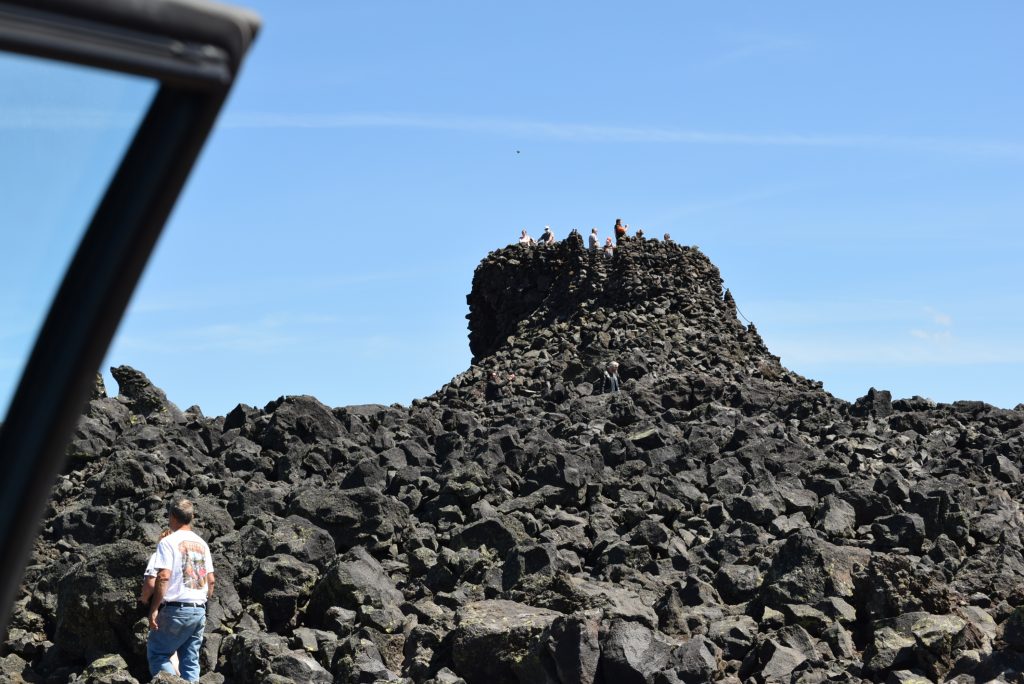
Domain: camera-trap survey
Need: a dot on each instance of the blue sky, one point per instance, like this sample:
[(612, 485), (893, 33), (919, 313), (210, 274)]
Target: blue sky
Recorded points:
[(855, 172)]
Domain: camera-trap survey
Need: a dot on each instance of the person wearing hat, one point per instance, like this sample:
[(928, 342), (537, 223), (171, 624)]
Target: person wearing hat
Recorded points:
[(547, 237), (611, 377)]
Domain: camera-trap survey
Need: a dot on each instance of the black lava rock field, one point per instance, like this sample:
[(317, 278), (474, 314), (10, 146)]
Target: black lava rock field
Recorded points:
[(719, 519)]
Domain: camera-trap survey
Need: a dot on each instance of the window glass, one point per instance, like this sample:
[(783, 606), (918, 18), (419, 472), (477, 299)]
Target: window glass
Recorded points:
[(63, 130)]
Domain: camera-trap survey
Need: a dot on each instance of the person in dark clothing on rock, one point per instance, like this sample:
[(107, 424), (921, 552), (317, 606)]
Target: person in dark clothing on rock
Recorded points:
[(611, 377), (495, 390), (620, 230)]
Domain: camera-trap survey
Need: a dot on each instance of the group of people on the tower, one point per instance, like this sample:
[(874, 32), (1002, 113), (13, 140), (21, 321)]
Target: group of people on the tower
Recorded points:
[(621, 231), (497, 387)]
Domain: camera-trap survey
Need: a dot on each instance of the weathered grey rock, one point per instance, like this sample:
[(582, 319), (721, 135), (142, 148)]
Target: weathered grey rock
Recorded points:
[(362, 516), (281, 583), (1013, 630), (778, 662), (110, 669), (575, 647), (891, 585), (901, 530), (295, 666), (737, 583), (632, 653), (697, 660), (806, 617), (358, 582), (96, 607), (500, 641), (245, 654), (840, 641), (807, 570), (143, 397), (836, 517), (302, 539), (734, 635), (877, 403), (14, 669), (500, 534)]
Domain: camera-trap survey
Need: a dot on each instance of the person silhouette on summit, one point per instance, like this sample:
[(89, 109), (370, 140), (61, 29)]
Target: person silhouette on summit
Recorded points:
[(525, 239), (609, 248), (547, 237), (595, 241), (620, 230)]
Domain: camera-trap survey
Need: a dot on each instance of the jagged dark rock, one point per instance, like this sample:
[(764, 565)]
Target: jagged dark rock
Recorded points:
[(720, 518)]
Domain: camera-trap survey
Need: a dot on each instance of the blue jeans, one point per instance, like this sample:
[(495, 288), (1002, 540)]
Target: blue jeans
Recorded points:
[(180, 630)]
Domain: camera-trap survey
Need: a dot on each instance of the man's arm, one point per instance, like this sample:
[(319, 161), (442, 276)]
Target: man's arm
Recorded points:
[(148, 585), (163, 577), (210, 579)]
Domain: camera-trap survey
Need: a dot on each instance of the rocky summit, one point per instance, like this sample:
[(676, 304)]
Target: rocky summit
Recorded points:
[(718, 519)]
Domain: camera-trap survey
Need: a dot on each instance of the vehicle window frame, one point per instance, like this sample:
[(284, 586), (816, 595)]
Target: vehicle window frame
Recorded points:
[(193, 50)]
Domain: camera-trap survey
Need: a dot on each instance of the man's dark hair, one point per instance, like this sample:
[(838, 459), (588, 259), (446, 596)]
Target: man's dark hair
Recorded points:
[(183, 511)]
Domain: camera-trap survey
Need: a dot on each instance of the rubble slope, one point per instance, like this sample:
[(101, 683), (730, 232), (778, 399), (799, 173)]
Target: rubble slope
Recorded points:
[(718, 519)]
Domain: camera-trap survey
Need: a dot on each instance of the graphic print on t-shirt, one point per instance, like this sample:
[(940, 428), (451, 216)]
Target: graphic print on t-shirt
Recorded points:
[(193, 564)]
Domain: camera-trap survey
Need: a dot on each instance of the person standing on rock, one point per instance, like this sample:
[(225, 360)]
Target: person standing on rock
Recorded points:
[(149, 586), (609, 248), (495, 390), (547, 237), (595, 241), (620, 230), (184, 583), (611, 377)]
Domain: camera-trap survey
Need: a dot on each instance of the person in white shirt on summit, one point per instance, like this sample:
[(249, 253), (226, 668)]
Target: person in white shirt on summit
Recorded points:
[(184, 583)]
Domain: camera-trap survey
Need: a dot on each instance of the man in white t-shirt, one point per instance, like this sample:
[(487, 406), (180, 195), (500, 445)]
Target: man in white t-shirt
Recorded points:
[(184, 582)]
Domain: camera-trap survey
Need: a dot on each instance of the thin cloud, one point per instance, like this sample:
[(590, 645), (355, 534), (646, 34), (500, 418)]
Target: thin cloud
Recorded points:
[(816, 312), (268, 334), (599, 133), (938, 317), (66, 119), (932, 336), (285, 287), (750, 47), (211, 338), (927, 351)]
